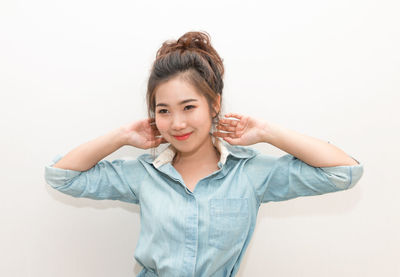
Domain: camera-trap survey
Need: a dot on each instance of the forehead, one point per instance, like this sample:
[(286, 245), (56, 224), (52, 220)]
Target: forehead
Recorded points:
[(175, 91)]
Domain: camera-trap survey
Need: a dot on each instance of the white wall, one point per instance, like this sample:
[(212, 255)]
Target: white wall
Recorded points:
[(71, 71)]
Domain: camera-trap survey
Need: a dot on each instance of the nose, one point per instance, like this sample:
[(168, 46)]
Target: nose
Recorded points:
[(178, 122)]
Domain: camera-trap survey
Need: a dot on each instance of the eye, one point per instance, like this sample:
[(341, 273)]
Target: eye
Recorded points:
[(191, 106), (162, 111)]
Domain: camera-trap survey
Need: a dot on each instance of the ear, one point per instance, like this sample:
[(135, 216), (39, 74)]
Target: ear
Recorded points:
[(217, 105)]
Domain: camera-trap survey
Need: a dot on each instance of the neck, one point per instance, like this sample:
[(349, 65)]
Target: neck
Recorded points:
[(205, 153)]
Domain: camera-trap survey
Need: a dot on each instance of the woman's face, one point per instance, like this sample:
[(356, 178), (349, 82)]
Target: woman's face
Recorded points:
[(180, 110)]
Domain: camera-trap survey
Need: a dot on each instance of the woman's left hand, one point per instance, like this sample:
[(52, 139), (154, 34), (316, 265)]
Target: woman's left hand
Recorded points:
[(244, 131)]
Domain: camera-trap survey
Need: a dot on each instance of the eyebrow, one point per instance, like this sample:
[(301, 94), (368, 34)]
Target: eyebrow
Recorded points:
[(180, 103)]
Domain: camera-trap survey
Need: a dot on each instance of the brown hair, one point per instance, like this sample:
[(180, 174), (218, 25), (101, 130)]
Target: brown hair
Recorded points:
[(193, 59)]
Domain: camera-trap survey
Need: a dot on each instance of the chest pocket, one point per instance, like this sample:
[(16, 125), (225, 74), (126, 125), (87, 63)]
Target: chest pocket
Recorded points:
[(229, 220)]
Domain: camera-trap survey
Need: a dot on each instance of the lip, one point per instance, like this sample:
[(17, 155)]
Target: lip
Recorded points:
[(183, 137)]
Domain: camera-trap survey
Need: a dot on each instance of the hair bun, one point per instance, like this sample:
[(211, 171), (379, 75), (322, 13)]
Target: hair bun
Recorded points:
[(189, 41), (192, 40), (191, 50)]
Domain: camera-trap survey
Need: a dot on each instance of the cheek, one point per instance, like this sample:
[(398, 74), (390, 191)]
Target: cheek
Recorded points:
[(161, 124), (203, 118)]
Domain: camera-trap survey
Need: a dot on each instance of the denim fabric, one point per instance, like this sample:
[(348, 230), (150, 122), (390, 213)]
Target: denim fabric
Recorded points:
[(203, 232)]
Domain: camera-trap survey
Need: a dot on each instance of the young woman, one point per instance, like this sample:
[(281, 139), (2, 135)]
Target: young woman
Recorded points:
[(200, 196)]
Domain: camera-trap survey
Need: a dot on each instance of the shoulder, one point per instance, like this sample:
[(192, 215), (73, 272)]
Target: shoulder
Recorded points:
[(138, 163), (239, 151), (254, 160)]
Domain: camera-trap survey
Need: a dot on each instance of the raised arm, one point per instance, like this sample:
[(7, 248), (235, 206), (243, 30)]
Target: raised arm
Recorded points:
[(245, 130), (310, 150), (83, 173), (141, 134), (85, 156), (311, 167)]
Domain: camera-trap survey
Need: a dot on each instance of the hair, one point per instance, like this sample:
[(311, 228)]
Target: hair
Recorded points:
[(193, 59)]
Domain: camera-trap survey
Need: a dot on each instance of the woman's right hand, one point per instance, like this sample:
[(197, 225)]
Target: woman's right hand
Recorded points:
[(142, 134)]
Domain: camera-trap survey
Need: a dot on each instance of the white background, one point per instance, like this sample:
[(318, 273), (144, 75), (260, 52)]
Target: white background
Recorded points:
[(71, 71)]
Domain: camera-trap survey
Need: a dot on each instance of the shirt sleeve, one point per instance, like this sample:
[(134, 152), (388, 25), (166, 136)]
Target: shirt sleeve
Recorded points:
[(286, 177), (116, 180)]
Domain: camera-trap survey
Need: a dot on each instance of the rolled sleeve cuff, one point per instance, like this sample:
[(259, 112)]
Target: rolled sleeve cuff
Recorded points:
[(345, 177), (57, 177)]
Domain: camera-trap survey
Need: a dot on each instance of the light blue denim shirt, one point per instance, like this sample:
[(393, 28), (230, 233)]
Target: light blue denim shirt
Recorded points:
[(203, 232)]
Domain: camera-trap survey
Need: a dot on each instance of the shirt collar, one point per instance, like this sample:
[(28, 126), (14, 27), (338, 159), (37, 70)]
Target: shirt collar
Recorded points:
[(224, 148)]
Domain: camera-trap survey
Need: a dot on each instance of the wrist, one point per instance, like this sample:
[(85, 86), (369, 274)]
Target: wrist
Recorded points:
[(269, 132), (119, 136)]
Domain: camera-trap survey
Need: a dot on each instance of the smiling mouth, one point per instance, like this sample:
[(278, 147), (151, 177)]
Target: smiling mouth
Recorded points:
[(183, 137)]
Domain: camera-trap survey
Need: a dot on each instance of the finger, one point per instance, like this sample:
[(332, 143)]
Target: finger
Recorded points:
[(159, 136), (233, 125), (243, 122), (228, 122), (226, 128), (235, 115), (232, 141), (220, 134), (230, 135), (237, 134)]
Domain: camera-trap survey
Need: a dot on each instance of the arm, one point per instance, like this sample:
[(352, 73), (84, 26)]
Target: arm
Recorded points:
[(81, 173), (246, 130), (141, 134), (312, 151), (312, 166), (90, 153)]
